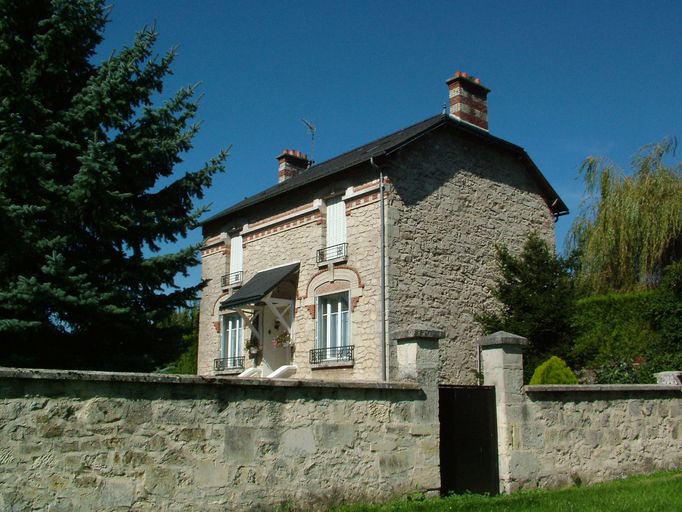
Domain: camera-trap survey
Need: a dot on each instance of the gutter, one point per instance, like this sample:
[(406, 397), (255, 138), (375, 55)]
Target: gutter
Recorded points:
[(382, 285)]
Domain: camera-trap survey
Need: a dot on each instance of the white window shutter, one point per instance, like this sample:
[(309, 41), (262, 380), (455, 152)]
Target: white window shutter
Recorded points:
[(236, 254), (336, 221)]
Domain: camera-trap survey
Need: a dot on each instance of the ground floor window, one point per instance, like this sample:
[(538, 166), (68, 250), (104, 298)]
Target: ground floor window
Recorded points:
[(232, 341), (333, 329)]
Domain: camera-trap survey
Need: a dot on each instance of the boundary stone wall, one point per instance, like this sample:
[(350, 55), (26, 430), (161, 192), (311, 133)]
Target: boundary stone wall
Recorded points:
[(102, 441), (552, 436)]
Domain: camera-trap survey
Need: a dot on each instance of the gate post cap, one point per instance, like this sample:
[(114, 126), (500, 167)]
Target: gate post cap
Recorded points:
[(502, 338), (418, 331)]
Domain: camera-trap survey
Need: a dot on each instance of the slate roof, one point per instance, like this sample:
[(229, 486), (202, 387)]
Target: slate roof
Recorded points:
[(259, 286), (385, 146)]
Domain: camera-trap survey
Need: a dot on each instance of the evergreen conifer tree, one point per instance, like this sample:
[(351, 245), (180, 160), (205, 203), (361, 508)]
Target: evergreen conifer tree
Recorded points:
[(87, 193), (537, 297)]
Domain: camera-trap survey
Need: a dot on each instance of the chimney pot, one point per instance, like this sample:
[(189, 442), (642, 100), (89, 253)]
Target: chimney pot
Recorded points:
[(468, 99), (291, 163)]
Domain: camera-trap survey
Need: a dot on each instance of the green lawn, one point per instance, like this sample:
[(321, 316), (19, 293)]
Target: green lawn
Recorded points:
[(656, 493)]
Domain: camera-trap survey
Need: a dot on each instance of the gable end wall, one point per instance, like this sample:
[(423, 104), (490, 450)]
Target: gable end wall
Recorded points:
[(454, 199)]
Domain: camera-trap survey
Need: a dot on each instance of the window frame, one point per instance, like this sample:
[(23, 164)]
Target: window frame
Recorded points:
[(322, 340), (338, 205), (231, 339)]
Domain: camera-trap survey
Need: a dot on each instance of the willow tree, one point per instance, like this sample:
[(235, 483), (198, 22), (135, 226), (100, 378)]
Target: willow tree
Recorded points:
[(630, 226)]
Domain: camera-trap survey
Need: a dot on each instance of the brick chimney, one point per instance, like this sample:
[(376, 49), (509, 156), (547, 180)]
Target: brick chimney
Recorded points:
[(468, 99), (291, 163)]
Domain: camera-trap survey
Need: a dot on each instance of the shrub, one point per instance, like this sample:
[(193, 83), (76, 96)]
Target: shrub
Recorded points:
[(553, 371), (610, 328)]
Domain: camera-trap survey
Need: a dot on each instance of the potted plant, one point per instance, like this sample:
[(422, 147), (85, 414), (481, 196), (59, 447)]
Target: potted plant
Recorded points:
[(282, 340), (253, 346)]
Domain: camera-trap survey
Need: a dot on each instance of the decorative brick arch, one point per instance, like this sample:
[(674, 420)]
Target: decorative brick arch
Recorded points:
[(215, 313), (337, 279)]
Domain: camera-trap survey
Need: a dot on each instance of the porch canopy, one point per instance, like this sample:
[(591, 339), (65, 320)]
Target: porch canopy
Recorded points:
[(259, 286)]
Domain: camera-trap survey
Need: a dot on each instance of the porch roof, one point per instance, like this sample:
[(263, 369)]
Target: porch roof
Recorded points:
[(259, 286)]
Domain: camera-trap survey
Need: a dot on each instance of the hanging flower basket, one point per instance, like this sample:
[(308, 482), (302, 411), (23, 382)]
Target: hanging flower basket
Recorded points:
[(283, 340), (252, 346)]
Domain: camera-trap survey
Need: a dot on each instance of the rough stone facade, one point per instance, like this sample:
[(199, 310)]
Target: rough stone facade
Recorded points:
[(73, 441), (553, 436), (296, 239), (453, 200), (450, 198)]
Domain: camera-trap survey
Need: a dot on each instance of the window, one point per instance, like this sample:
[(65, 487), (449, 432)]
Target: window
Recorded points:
[(336, 221), (236, 261), (336, 247), (333, 329), (232, 341)]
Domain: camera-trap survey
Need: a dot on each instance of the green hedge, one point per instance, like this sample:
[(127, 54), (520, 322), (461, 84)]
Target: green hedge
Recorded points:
[(612, 328)]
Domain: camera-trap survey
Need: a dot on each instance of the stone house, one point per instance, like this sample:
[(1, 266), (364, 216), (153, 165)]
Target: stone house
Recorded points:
[(311, 276)]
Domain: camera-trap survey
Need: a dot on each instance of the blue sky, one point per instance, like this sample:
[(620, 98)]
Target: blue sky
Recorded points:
[(568, 79)]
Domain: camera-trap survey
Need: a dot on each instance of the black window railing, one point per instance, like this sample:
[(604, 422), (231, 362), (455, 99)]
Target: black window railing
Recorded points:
[(232, 279), (333, 252), (325, 355), (228, 363)]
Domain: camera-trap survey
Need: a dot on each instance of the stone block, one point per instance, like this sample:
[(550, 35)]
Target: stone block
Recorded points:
[(395, 462), (117, 492), (330, 436), (240, 444), (298, 441)]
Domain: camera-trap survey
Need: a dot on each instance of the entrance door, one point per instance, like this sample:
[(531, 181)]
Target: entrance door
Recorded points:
[(273, 356), (468, 440)]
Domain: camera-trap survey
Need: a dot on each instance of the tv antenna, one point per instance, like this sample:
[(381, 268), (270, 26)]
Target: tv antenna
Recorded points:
[(311, 128)]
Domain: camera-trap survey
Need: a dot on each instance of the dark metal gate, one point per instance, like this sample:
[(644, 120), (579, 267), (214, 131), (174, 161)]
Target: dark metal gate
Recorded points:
[(468, 439)]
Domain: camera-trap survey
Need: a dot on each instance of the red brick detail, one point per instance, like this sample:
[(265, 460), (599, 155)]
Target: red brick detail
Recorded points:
[(311, 310), (306, 219), (216, 326), (474, 103), (370, 184), (273, 218), (354, 303), (361, 201), (357, 274), (477, 121)]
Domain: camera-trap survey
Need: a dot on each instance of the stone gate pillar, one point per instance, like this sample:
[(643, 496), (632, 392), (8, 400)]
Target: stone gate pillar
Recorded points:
[(502, 362), (417, 354)]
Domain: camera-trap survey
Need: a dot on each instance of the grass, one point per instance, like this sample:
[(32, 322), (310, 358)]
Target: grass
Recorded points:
[(659, 492)]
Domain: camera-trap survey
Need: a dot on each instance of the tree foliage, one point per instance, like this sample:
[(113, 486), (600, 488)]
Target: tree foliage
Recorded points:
[(188, 320), (666, 319), (87, 192), (537, 298), (631, 224)]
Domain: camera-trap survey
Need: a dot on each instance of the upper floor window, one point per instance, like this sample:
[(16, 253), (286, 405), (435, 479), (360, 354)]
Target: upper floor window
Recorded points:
[(336, 247), (336, 221), (236, 261)]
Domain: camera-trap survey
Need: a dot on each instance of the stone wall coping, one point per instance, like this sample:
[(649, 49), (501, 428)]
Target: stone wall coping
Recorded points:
[(160, 378), (502, 338), (599, 388), (418, 331)]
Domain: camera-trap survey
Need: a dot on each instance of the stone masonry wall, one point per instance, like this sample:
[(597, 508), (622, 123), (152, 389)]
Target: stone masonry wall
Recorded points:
[(213, 265), (593, 433), (108, 442), (552, 436), (454, 198), (300, 243)]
